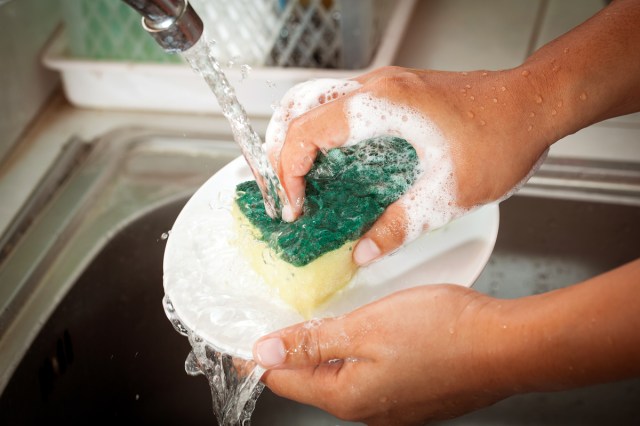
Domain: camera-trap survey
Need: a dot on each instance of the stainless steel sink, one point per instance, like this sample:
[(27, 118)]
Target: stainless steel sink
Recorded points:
[(83, 337)]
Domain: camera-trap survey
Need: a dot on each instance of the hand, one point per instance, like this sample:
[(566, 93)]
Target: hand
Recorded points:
[(478, 135), (440, 351), (385, 366)]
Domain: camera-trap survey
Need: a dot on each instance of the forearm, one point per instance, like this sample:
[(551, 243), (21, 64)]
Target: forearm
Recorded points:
[(579, 335), (589, 74)]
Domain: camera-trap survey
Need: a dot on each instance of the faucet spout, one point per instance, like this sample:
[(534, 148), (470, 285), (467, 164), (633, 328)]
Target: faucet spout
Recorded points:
[(172, 23)]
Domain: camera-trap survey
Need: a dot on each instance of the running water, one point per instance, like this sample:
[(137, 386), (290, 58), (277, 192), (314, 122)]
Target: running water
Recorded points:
[(202, 61), (235, 383)]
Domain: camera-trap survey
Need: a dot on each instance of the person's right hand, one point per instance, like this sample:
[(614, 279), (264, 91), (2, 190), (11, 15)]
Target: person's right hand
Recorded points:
[(478, 135)]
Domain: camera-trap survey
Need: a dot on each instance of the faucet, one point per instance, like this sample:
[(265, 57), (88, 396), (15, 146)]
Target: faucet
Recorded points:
[(172, 23)]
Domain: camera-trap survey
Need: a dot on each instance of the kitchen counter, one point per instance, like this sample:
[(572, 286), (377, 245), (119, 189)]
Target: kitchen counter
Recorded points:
[(443, 34)]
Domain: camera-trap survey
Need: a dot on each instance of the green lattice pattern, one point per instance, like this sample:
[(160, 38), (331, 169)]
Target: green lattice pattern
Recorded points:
[(110, 30)]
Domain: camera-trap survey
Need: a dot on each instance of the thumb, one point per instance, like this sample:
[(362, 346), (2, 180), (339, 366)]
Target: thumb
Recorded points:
[(386, 235), (303, 345)]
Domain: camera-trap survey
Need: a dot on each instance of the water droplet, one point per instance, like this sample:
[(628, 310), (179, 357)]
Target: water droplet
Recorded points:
[(532, 114), (484, 74), (529, 128), (503, 88), (233, 61), (525, 73), (554, 112), (559, 104), (482, 122), (464, 73), (538, 99), (463, 90), (473, 98), (470, 114), (566, 50), (468, 86), (495, 100), (583, 96), (244, 71), (165, 235), (452, 330)]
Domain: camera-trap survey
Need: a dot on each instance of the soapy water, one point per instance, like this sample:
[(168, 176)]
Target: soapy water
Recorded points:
[(201, 59), (234, 382)]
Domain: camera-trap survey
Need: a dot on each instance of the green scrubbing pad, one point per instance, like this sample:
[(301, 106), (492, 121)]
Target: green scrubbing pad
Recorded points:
[(347, 189)]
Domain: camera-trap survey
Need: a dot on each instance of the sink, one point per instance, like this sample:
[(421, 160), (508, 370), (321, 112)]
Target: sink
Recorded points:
[(548, 243), (83, 336)]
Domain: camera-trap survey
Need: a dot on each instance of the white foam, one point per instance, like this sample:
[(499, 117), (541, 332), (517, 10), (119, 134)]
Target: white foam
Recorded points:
[(431, 200), (300, 99)]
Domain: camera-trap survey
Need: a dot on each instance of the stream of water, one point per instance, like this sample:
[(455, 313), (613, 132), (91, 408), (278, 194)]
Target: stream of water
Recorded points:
[(235, 382), (201, 59)]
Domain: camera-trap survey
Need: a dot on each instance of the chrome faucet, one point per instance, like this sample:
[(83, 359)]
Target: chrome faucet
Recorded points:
[(172, 23)]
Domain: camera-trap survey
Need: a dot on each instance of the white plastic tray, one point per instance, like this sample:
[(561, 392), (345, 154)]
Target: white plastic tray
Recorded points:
[(175, 87)]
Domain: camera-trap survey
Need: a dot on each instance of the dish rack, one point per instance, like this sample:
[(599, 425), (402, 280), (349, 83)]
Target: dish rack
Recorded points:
[(283, 41)]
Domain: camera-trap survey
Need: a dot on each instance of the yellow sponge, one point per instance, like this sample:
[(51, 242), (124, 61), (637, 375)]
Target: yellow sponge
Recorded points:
[(347, 189), (306, 287)]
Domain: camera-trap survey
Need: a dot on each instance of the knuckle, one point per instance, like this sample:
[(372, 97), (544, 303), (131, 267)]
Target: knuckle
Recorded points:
[(396, 80), (390, 230), (390, 69), (304, 346), (298, 126)]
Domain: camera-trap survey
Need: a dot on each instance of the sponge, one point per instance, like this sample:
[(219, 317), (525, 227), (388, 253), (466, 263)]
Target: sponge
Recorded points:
[(347, 189)]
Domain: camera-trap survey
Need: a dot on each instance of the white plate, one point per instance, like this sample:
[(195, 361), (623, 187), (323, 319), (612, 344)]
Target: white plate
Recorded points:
[(217, 295)]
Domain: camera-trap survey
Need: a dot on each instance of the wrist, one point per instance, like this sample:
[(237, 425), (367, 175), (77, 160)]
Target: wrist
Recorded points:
[(540, 102), (508, 348), (495, 350)]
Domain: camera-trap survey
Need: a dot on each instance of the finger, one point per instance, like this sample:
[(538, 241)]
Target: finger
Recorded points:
[(317, 383), (386, 235), (323, 127), (308, 344)]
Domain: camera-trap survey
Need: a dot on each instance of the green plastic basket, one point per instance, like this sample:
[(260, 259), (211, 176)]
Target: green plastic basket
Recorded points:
[(110, 30)]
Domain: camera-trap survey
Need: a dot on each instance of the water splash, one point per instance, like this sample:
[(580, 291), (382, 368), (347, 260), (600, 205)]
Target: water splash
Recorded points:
[(234, 382), (244, 72), (201, 59)]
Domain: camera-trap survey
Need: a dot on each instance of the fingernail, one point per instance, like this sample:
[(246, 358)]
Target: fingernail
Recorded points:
[(287, 214), (270, 352), (366, 251)]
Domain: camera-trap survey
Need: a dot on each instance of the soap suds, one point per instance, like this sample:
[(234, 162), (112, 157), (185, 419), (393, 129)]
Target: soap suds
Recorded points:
[(300, 99), (431, 200)]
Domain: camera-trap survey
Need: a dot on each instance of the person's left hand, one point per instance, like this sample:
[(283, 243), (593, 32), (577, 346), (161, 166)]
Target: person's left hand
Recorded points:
[(417, 355)]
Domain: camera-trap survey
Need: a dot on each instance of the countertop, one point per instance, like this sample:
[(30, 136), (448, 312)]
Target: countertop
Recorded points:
[(443, 34)]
